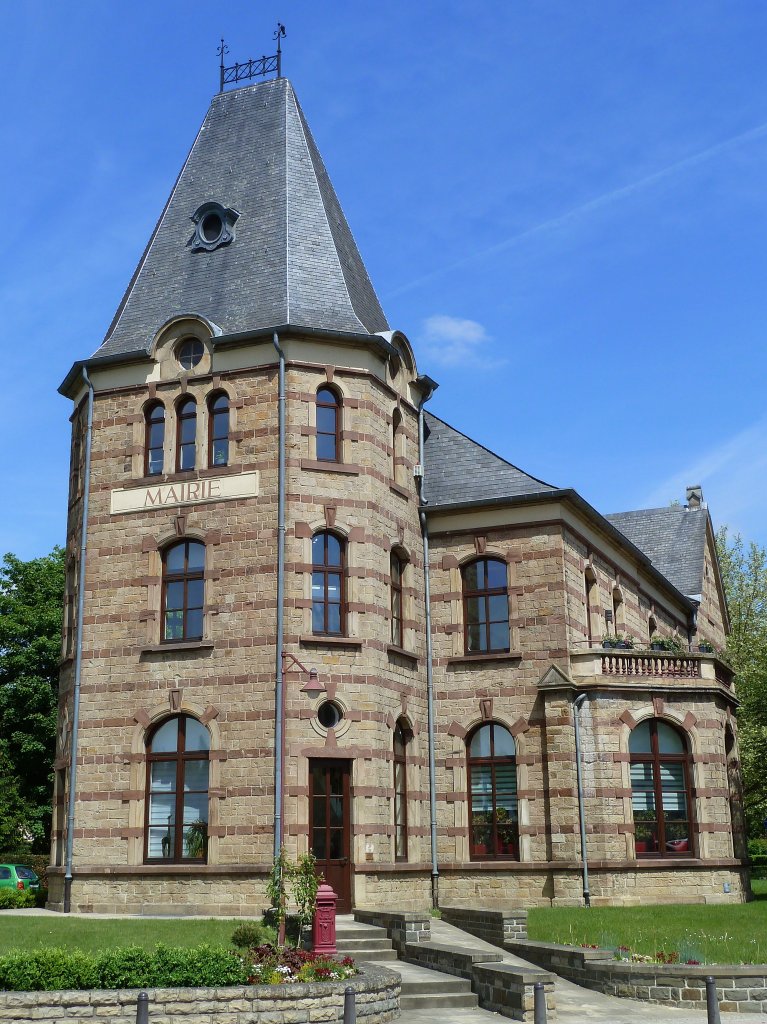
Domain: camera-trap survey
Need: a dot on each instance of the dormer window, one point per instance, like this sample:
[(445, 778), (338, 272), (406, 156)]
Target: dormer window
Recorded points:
[(214, 226)]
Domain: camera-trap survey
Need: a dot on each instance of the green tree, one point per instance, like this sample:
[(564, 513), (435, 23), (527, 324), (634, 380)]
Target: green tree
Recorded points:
[(744, 574), (31, 600)]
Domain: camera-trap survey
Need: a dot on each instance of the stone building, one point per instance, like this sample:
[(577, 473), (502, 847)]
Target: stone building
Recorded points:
[(259, 483)]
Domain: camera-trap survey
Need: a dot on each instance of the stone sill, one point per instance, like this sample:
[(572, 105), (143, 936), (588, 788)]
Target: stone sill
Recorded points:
[(315, 466), (402, 653), (182, 476), (331, 641), (643, 864), (138, 870), (396, 489), (468, 659), (175, 647)]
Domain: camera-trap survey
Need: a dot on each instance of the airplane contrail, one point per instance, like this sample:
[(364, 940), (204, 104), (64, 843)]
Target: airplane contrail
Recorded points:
[(593, 204)]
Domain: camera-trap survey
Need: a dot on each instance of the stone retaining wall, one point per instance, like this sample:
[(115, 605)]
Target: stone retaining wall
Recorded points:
[(402, 927), (377, 993), (494, 926), (740, 988)]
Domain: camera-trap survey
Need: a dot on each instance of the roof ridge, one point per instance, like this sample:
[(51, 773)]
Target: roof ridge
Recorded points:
[(489, 450)]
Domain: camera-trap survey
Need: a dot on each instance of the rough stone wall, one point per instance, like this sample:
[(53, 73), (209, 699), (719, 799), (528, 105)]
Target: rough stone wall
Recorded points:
[(377, 1000)]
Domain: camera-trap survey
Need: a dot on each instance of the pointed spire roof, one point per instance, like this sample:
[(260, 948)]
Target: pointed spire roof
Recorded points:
[(293, 259)]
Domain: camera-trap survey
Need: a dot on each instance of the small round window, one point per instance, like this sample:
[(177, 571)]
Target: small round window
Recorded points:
[(212, 227), (190, 352), (329, 714)]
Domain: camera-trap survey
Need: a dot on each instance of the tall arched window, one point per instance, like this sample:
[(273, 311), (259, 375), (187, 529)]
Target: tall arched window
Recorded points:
[(186, 434), (154, 439), (590, 593), (401, 737), (494, 823), (485, 606), (177, 755), (397, 570), (183, 590), (660, 790), (652, 627), (618, 623), (328, 589), (328, 425), (218, 430), (396, 426)]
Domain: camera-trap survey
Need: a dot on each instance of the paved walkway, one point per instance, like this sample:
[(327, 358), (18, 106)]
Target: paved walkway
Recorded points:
[(575, 1005)]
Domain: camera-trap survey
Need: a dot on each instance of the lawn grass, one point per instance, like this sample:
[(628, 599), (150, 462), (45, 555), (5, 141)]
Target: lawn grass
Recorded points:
[(18, 931), (724, 934)]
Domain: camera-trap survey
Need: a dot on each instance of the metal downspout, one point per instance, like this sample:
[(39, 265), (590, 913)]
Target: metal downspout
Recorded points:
[(279, 701), (78, 653), (429, 659), (577, 705)]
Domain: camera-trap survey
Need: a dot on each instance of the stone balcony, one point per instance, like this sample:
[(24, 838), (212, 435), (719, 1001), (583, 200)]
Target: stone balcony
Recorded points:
[(637, 665)]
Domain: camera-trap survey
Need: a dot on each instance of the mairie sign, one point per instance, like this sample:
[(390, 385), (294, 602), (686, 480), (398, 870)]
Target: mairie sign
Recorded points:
[(188, 492)]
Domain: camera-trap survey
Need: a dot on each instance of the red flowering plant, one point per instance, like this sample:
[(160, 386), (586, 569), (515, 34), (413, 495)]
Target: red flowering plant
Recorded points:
[(281, 965)]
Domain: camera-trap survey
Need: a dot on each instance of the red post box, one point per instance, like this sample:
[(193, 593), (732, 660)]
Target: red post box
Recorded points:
[(324, 924)]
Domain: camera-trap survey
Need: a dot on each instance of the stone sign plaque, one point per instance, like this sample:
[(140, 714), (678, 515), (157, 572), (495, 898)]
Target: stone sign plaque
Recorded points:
[(188, 492)]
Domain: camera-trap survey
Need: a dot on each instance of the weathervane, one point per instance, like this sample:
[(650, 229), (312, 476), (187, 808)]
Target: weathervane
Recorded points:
[(253, 68)]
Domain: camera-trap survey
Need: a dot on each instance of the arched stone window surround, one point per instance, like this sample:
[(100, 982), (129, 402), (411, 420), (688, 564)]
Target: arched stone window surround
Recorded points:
[(454, 585), (341, 425), (402, 737), (207, 425), (150, 416), (618, 610), (459, 759), (185, 408), (398, 442), (175, 330), (351, 537), (182, 602), (408, 614), (652, 627), (154, 547), (147, 721), (590, 601), (680, 721), (487, 555)]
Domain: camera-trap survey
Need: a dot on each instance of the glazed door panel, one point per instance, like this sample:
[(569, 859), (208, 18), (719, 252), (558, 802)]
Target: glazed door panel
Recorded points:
[(329, 831)]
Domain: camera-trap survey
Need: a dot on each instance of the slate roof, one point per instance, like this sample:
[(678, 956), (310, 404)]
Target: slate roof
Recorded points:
[(293, 260), (459, 470), (673, 538)]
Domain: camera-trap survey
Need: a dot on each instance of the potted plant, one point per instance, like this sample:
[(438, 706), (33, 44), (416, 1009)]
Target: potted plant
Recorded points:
[(705, 647), (625, 642), (480, 833), (609, 641)]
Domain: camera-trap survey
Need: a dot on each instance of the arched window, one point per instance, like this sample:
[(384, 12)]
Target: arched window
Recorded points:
[(328, 590), (652, 627), (401, 738), (186, 434), (218, 430), (154, 439), (396, 426), (177, 791), (494, 828), (328, 425), (660, 790), (183, 590), (590, 593), (485, 606), (397, 570), (618, 623)]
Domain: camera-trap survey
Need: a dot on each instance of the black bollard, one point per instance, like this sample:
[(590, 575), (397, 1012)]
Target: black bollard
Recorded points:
[(539, 1003), (350, 1006), (142, 1008), (712, 1002)]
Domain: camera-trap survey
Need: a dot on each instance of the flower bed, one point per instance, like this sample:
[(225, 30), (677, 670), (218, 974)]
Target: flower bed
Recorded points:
[(270, 965)]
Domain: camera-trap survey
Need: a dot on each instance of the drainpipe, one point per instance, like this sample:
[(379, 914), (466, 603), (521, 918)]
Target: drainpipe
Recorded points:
[(577, 705), (429, 657), (78, 653), (279, 701)]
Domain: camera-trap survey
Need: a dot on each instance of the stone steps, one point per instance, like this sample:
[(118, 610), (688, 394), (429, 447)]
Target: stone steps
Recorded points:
[(364, 942)]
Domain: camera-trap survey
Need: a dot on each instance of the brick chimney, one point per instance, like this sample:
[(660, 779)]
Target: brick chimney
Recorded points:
[(695, 497)]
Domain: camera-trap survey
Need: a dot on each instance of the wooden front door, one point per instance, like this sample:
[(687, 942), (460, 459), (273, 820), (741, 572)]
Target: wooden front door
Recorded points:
[(329, 831)]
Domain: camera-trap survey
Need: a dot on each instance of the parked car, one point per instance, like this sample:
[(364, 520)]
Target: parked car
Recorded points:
[(18, 876)]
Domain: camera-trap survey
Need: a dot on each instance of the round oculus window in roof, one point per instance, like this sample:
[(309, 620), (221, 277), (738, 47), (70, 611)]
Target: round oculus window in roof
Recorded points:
[(190, 352), (213, 226)]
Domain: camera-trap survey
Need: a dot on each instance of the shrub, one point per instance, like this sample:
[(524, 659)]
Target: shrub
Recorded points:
[(17, 899), (252, 933), (45, 970)]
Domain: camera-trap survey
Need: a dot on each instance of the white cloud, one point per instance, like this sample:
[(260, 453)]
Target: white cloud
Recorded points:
[(451, 341)]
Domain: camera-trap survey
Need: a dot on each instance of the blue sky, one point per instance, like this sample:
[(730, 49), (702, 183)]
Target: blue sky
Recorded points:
[(562, 205)]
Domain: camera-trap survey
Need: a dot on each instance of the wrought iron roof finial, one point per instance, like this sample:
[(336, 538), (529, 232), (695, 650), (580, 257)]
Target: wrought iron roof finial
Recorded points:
[(223, 48), (279, 33)]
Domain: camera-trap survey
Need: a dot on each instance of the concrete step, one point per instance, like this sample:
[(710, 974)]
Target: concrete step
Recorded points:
[(355, 943), (435, 1000), (360, 931), (369, 956)]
